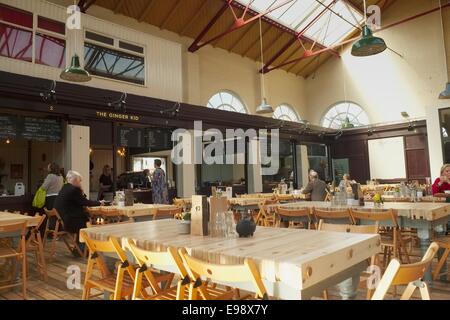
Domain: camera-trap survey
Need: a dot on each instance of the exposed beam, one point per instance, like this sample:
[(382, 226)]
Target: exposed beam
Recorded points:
[(195, 45), (147, 10), (239, 22), (170, 14), (333, 47), (297, 37), (237, 4), (192, 20)]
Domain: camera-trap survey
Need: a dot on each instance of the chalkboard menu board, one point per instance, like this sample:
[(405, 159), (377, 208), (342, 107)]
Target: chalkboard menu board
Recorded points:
[(130, 137), (159, 139), (38, 129), (46, 130), (8, 127)]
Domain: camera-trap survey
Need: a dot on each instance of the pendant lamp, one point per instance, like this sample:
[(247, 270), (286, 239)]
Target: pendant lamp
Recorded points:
[(368, 45), (75, 73), (264, 107)]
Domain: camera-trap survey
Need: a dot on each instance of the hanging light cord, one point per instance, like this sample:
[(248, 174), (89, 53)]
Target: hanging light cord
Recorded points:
[(263, 92), (443, 37), (365, 12)]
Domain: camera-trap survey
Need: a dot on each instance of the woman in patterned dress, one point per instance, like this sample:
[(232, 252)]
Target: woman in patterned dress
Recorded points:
[(159, 185)]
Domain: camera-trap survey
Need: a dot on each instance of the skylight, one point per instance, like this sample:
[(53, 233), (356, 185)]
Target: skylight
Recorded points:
[(328, 30)]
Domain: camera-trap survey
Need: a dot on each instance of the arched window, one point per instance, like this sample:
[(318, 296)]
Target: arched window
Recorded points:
[(286, 112), (345, 115), (227, 100)]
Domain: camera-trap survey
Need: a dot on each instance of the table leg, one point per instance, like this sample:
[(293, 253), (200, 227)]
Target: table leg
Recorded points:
[(424, 236), (348, 289)]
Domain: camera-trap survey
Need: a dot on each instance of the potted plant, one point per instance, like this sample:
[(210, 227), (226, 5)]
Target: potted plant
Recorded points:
[(185, 224)]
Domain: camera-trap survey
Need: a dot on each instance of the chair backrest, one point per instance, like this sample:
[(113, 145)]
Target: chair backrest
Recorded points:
[(54, 213), (331, 214), (14, 228), (398, 274), (246, 272), (349, 228), (19, 228), (388, 215), (109, 246), (293, 213), (146, 258), (178, 202), (170, 213)]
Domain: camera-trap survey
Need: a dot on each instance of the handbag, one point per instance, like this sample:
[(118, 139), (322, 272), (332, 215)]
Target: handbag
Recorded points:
[(39, 198)]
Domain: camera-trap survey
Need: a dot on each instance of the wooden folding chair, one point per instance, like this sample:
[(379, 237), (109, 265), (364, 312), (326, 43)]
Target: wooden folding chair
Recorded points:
[(349, 228), (444, 244), (201, 290), (392, 239), (296, 218), (264, 217), (19, 254), (70, 239), (169, 259), (331, 215), (172, 213), (35, 244), (119, 284), (410, 275)]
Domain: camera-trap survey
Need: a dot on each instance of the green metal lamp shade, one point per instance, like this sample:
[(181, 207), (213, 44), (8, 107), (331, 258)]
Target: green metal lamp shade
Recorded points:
[(446, 93), (368, 45), (75, 73), (347, 124)]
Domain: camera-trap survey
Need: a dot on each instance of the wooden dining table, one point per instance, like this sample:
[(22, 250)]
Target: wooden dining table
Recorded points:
[(427, 217), (11, 218), (294, 264), (136, 212)]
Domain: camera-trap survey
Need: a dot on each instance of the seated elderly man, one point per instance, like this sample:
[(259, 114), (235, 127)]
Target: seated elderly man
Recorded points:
[(70, 204), (316, 187)]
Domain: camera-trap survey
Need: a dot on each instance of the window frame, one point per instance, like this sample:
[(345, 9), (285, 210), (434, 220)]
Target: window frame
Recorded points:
[(291, 108), (234, 95), (117, 47), (34, 30), (333, 106)]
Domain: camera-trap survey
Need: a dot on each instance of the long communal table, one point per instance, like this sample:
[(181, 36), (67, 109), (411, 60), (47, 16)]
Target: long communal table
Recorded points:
[(137, 212), (424, 216), (294, 264)]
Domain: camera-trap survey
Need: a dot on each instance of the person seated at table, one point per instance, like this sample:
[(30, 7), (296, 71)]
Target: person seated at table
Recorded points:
[(316, 187), (442, 183), (105, 182), (70, 204), (346, 182)]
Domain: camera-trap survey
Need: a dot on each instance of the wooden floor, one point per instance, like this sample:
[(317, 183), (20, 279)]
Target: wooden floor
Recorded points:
[(56, 286)]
